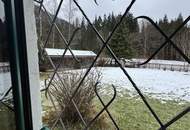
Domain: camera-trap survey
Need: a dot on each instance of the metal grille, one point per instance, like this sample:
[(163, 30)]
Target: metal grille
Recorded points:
[(105, 45)]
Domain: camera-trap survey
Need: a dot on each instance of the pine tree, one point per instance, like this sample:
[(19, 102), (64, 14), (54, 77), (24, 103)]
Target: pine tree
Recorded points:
[(82, 35), (113, 21), (120, 43)]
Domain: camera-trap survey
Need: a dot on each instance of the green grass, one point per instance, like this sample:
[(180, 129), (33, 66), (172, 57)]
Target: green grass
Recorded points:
[(7, 121), (131, 113)]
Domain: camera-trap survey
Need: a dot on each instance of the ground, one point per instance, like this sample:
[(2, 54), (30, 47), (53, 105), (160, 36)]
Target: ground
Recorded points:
[(131, 113), (7, 121), (168, 93), (160, 84)]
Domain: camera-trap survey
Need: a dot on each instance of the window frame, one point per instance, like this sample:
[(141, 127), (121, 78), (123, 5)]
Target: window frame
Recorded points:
[(15, 20)]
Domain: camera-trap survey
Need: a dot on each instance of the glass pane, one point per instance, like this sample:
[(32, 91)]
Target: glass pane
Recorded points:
[(7, 119), (163, 81)]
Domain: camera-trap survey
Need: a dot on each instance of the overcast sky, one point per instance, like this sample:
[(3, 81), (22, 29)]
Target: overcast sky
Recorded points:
[(154, 8), (1, 10)]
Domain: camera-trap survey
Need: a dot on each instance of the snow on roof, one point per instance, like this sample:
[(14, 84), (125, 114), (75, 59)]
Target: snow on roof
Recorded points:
[(59, 52), (170, 62), (4, 64)]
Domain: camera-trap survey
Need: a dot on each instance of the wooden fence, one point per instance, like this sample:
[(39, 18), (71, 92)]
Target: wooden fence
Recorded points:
[(134, 64)]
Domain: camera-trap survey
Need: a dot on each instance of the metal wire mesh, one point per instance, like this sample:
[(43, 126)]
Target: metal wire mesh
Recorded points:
[(6, 98), (105, 45)]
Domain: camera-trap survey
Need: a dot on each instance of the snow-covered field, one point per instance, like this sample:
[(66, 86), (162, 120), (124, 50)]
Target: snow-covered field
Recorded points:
[(5, 82), (156, 83), (166, 62)]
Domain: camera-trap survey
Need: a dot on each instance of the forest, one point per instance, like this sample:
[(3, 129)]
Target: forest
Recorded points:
[(137, 39), (133, 39)]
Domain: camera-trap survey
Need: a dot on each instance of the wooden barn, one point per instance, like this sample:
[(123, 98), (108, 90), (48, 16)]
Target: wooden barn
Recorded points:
[(84, 57)]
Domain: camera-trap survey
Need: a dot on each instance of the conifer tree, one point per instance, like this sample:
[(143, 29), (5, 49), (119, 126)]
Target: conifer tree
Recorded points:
[(120, 43)]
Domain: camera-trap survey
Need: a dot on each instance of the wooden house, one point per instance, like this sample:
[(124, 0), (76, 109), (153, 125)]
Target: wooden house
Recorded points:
[(84, 58)]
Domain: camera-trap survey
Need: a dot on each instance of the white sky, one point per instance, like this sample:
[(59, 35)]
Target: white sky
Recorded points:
[(154, 8), (1, 10)]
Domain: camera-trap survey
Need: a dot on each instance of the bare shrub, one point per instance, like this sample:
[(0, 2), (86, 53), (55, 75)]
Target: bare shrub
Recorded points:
[(62, 91), (101, 62)]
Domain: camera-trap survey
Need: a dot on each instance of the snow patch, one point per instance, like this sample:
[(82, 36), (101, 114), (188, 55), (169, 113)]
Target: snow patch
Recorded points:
[(157, 83)]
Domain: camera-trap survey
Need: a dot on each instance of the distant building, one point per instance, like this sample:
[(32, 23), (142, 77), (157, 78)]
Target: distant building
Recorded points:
[(84, 58)]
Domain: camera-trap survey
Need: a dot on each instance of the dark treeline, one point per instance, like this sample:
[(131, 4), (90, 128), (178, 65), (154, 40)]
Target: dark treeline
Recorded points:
[(122, 42), (136, 40), (3, 42), (151, 39), (132, 39)]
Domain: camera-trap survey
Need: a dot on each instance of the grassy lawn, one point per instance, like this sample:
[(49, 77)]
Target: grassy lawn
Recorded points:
[(130, 113), (6, 119)]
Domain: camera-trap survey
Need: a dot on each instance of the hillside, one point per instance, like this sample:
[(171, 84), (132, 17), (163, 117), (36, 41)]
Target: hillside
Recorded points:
[(55, 38)]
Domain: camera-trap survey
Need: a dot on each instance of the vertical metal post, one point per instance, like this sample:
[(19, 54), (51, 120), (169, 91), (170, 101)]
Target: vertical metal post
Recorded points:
[(18, 62)]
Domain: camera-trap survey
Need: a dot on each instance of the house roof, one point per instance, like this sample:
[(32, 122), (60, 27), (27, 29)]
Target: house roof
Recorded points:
[(4, 64), (78, 53)]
